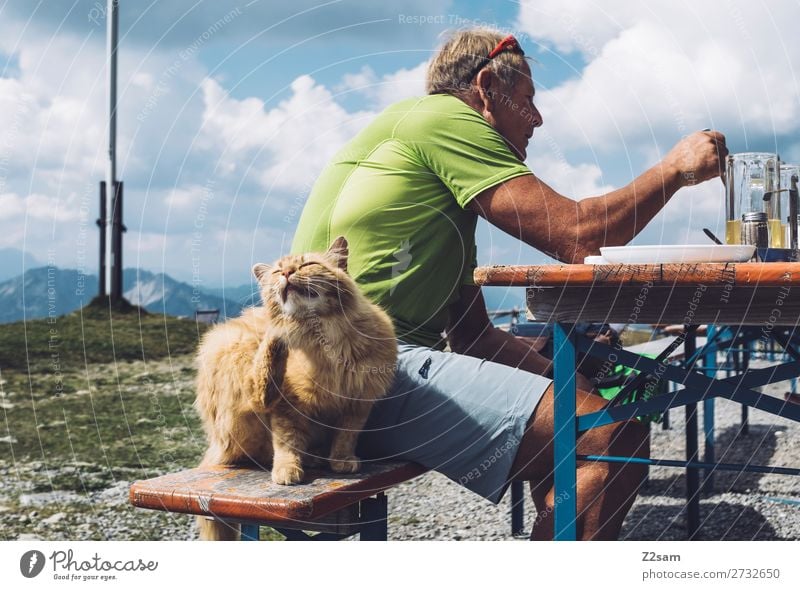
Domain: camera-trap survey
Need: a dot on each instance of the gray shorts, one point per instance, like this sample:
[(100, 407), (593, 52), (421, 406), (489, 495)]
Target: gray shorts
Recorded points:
[(456, 414)]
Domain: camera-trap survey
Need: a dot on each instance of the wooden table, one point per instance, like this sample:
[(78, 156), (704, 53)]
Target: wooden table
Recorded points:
[(765, 297)]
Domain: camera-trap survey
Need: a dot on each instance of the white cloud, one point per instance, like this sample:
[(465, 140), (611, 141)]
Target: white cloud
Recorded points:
[(549, 162), (656, 71), (285, 147), (384, 90), (664, 69)]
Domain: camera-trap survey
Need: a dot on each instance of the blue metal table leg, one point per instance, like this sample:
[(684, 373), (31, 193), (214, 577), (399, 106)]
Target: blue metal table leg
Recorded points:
[(374, 515), (709, 456), (517, 507), (665, 425), (565, 434), (250, 532), (745, 365), (692, 474)]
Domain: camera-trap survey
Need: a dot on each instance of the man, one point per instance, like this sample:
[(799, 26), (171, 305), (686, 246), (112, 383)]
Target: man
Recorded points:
[(406, 192)]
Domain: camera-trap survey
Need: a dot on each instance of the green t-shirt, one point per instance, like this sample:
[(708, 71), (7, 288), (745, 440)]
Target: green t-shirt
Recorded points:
[(398, 192)]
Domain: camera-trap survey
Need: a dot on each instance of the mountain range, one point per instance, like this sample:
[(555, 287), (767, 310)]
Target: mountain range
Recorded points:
[(51, 291)]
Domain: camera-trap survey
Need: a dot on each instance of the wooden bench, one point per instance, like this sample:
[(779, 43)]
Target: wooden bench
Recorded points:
[(334, 505)]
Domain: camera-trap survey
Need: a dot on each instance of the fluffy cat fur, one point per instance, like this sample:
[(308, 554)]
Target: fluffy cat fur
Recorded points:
[(299, 374)]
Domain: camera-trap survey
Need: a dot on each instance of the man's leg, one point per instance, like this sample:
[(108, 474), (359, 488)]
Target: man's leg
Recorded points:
[(606, 491)]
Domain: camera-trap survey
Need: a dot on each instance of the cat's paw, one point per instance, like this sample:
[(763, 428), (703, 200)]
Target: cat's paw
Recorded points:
[(287, 475), (349, 464)]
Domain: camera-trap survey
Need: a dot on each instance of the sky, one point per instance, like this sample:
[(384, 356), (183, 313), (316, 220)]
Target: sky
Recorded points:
[(228, 111)]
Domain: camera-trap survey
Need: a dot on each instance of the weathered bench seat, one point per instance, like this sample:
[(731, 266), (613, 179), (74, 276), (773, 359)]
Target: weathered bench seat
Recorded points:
[(337, 504)]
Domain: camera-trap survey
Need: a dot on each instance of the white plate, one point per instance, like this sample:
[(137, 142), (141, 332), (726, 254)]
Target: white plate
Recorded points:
[(678, 253)]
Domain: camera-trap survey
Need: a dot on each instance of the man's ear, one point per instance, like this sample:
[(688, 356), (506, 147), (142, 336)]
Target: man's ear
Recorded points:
[(487, 84), (261, 269), (338, 253)]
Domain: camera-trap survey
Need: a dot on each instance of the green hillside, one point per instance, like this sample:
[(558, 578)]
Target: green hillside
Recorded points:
[(92, 334), (110, 393)]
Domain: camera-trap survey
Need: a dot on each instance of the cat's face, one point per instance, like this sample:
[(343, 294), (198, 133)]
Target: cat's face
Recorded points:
[(307, 284)]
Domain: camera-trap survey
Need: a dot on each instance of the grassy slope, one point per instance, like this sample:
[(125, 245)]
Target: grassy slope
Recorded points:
[(89, 399), (114, 393)]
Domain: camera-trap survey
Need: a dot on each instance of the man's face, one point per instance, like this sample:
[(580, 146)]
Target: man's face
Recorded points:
[(514, 115)]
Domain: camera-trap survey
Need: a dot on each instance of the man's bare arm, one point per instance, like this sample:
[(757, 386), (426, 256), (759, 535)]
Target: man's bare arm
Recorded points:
[(527, 208), (471, 332)]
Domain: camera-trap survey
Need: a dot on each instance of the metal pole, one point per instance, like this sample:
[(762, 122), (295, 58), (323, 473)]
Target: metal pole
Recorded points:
[(692, 454), (111, 173), (101, 223), (565, 478)]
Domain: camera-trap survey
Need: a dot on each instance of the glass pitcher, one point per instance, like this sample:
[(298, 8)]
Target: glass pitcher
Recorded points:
[(749, 178), (788, 204)]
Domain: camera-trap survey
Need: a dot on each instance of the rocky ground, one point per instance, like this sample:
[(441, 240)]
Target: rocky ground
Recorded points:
[(64, 494)]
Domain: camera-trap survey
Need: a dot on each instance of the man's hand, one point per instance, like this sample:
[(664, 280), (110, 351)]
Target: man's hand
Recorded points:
[(698, 157)]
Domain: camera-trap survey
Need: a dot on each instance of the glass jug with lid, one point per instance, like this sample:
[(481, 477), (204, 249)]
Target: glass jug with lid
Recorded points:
[(751, 185)]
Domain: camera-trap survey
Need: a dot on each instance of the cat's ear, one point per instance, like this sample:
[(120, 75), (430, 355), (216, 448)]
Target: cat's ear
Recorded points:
[(338, 253), (261, 269)]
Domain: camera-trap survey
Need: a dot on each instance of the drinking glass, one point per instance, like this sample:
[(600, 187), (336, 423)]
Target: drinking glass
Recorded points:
[(789, 177), (749, 177)]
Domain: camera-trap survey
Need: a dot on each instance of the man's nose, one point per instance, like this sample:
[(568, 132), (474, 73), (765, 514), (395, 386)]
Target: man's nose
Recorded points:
[(538, 121)]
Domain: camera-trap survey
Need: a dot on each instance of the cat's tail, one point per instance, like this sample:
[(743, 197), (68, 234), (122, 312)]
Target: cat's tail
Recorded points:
[(212, 529)]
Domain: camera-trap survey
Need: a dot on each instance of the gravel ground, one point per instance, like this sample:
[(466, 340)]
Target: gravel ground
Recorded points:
[(742, 507)]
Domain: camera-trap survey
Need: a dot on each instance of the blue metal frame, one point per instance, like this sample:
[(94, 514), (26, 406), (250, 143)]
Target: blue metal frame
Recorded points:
[(710, 366), (373, 525), (696, 387), (565, 433)]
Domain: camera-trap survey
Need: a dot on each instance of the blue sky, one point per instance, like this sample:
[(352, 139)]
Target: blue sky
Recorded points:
[(229, 110)]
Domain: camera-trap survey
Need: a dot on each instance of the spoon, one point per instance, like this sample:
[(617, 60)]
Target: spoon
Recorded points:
[(712, 236)]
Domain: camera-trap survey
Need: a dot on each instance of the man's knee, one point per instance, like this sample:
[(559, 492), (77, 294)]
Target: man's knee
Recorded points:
[(627, 439)]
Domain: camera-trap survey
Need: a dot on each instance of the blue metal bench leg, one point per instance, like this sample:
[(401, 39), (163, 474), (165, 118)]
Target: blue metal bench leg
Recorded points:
[(692, 474), (709, 455), (745, 429), (565, 434), (374, 515), (517, 507)]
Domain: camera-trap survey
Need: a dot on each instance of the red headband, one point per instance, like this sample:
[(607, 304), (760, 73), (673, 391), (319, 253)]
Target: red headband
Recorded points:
[(509, 43)]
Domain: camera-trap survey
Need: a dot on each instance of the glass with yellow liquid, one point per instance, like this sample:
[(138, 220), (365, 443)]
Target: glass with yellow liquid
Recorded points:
[(733, 231), (788, 204), (777, 232), (750, 177)]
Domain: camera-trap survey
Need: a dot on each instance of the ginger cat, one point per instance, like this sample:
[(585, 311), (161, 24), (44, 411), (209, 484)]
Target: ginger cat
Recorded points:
[(303, 370)]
